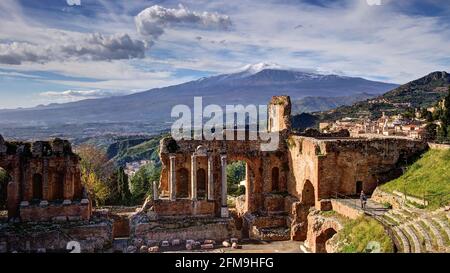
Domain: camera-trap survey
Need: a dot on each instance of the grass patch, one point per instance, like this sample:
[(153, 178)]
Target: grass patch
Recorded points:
[(358, 235), (429, 177), (328, 213)]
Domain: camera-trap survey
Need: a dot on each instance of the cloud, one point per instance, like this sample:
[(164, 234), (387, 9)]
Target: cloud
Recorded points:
[(152, 21), (82, 94), (73, 2), (93, 46)]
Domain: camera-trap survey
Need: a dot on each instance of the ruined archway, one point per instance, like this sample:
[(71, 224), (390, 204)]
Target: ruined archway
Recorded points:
[(322, 239), (308, 197), (58, 189), (201, 183), (37, 186), (182, 183), (275, 179), (359, 187)]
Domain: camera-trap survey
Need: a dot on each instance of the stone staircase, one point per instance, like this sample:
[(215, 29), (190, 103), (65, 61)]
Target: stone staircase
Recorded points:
[(418, 231)]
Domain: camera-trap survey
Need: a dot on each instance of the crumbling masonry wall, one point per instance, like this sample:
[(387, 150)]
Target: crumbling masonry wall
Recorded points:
[(45, 181)]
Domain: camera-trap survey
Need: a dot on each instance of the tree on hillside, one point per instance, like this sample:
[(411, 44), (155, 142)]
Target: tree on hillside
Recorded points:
[(444, 130), (141, 182), (430, 131), (95, 172), (119, 190)]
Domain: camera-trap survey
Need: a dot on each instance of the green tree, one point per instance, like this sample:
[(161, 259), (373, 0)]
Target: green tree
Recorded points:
[(119, 190), (235, 174), (446, 110), (96, 171), (122, 187), (430, 131), (140, 184)]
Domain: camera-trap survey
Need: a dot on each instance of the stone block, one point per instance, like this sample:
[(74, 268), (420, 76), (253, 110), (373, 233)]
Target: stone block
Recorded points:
[(153, 249), (235, 246), (207, 246), (74, 218), (59, 219), (41, 250), (143, 249), (131, 249)]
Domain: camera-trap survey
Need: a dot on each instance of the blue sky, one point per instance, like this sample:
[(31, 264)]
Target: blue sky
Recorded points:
[(67, 50)]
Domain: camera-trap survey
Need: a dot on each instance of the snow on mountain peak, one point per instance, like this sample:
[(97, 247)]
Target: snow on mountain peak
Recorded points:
[(255, 68)]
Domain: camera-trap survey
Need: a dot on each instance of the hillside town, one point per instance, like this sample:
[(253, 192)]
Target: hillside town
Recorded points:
[(395, 125), (398, 125)]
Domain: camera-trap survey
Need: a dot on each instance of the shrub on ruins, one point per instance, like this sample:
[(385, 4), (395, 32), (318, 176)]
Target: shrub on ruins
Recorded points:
[(140, 184)]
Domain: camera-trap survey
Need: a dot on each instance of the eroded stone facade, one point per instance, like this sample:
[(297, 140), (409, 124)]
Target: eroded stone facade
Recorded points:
[(44, 181), (282, 186)]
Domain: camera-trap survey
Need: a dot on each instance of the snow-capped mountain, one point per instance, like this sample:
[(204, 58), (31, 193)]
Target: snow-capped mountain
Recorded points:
[(253, 84)]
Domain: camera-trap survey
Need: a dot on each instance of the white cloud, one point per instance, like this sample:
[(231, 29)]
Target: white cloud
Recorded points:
[(73, 2), (152, 21), (78, 94), (94, 46)]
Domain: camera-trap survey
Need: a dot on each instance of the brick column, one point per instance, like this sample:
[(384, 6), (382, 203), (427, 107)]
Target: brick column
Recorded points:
[(224, 208), (210, 179), (194, 177), (172, 179)]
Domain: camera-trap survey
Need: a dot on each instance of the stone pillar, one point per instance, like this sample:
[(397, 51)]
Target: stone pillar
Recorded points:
[(194, 177), (155, 191), (224, 208), (172, 179), (210, 179)]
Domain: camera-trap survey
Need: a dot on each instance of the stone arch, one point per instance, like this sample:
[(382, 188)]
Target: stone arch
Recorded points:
[(37, 187), (58, 186), (5, 178), (182, 183), (308, 197), (201, 183), (251, 167), (359, 187), (275, 179), (322, 239)]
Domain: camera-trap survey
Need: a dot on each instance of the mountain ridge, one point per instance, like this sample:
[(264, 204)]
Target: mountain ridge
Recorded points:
[(419, 93), (154, 105)]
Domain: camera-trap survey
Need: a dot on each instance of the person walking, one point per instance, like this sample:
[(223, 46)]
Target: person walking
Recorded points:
[(363, 199)]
